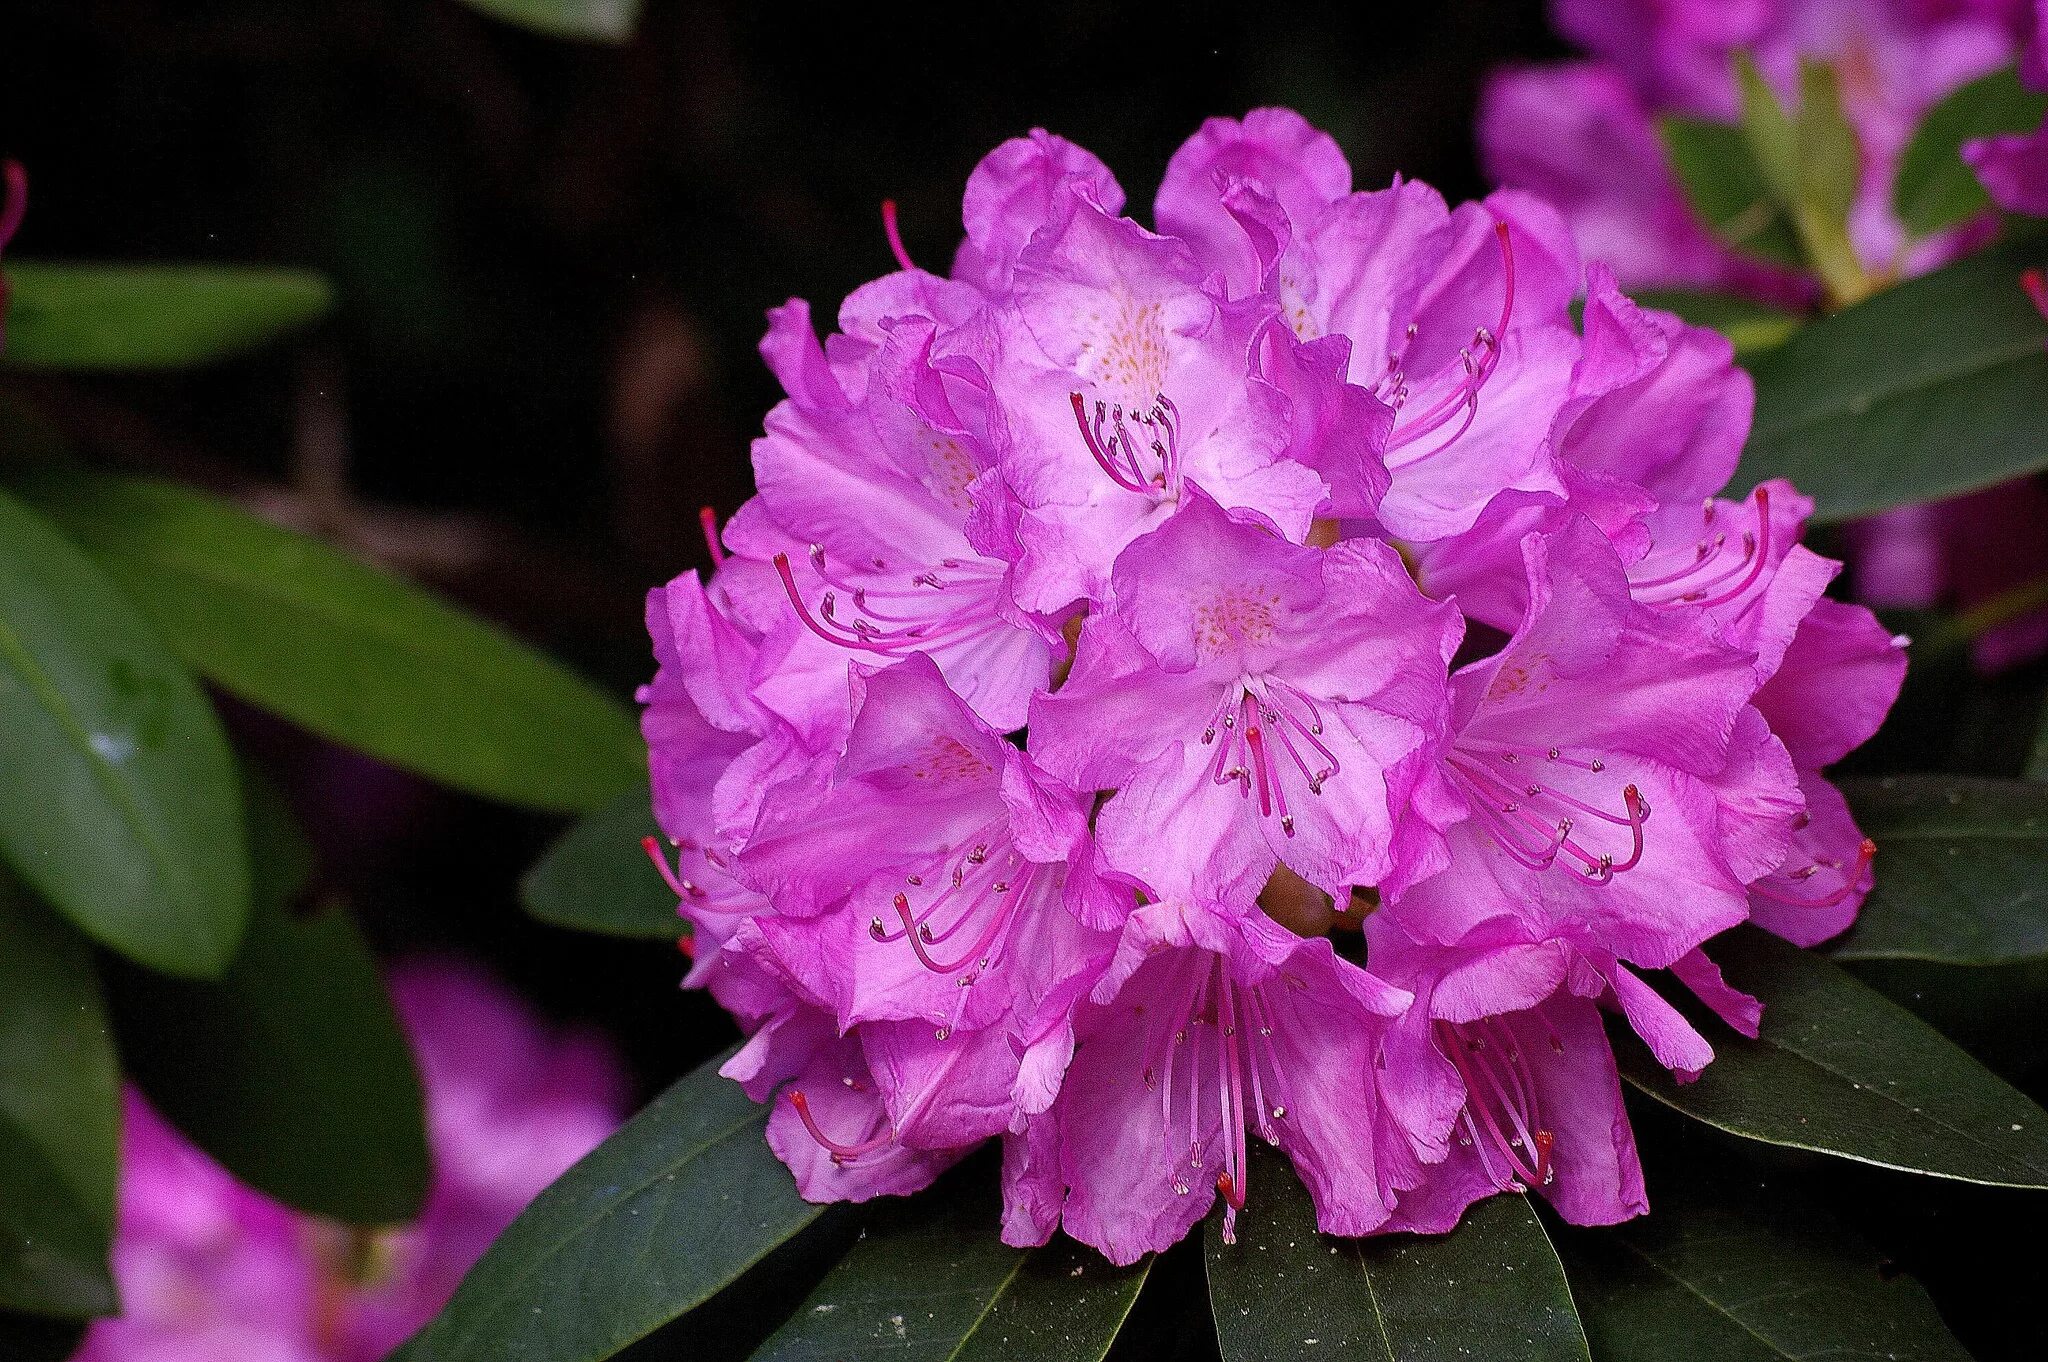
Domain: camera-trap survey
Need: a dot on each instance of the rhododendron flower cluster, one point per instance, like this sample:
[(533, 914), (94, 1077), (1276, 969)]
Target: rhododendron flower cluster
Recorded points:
[(1271, 675), (210, 1269), (1583, 134)]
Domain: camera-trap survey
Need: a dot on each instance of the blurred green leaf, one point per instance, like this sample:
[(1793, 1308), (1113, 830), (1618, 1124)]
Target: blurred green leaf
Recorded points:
[(60, 1117), (1752, 327), (1962, 871), (597, 878), (292, 1071), (53, 1250), (1492, 1288), (1934, 189), (1840, 1069), (1727, 190), (351, 652), (1752, 1274), (119, 805), (1926, 390), (931, 1281), (95, 316), (1830, 162), (602, 21), (59, 1080), (651, 1224), (2037, 760)]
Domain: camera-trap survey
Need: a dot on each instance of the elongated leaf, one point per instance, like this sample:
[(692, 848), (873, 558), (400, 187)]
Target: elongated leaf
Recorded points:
[(1962, 871), (1492, 1288), (1926, 390), (292, 1071), (650, 1225), (350, 652), (53, 1251), (118, 804), (1840, 1069), (1935, 189), (932, 1282), (2037, 760), (93, 316), (1727, 189), (59, 1082), (1752, 327), (604, 21), (1746, 1274), (597, 878)]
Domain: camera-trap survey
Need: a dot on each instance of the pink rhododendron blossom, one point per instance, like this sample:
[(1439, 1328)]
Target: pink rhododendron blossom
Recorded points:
[(1086, 661), (1583, 135), (209, 1269)]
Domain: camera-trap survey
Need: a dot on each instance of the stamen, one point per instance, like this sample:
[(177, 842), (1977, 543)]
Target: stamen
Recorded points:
[(1852, 880), (889, 229), (1512, 816), (1502, 1113), (932, 613), (708, 518), (1704, 581), (840, 1152), (1463, 397)]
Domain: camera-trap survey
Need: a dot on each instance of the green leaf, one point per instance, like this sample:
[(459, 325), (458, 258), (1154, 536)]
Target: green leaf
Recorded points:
[(1925, 390), (1727, 190), (1770, 133), (651, 1224), (1830, 162), (53, 1250), (293, 1071), (1840, 1069), (2037, 760), (599, 21), (1935, 189), (598, 879), (932, 1282), (1752, 327), (1962, 871), (1492, 1288), (119, 804), (1745, 1274), (351, 652), (59, 1080), (60, 1117), (93, 316)]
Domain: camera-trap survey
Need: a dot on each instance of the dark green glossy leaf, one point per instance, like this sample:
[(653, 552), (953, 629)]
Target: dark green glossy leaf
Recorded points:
[(1935, 189), (1752, 327), (1962, 871), (932, 1282), (598, 879), (651, 1224), (1926, 390), (2037, 761), (95, 316), (53, 1250), (292, 1071), (1745, 1274), (604, 21), (1727, 189), (1840, 1069), (1492, 1288), (119, 804), (349, 651), (59, 1081)]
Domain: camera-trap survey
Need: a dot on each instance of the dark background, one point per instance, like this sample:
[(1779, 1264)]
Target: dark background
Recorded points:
[(552, 262)]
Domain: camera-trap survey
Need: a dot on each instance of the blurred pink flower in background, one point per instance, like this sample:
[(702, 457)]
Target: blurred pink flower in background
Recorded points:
[(211, 1271)]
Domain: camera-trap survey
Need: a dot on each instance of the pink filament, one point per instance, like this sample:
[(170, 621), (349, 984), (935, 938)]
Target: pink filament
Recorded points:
[(1852, 879), (895, 236)]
